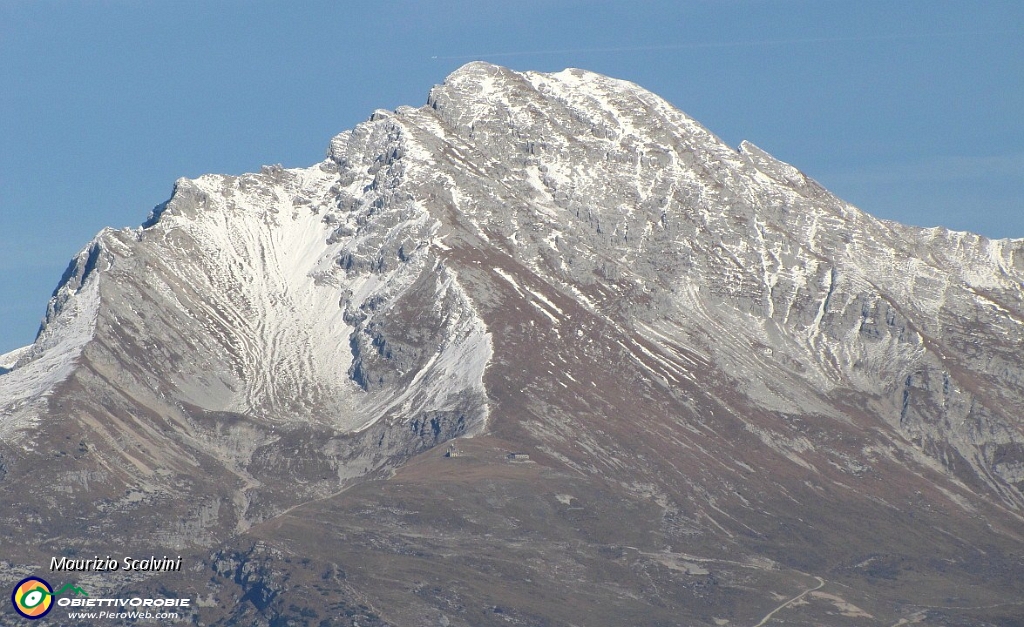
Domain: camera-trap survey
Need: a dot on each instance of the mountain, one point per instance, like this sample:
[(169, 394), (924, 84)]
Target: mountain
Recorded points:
[(735, 398)]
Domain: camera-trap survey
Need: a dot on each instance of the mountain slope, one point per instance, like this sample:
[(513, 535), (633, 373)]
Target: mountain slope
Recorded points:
[(732, 385)]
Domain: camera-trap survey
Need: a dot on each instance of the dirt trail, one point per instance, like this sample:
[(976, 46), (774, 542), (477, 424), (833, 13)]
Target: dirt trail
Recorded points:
[(821, 584)]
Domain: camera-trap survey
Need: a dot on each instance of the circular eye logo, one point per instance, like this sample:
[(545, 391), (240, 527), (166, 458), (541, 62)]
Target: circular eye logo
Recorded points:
[(32, 597)]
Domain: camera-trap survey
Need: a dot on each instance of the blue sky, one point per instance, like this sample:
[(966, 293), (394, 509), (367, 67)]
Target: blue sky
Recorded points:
[(912, 110)]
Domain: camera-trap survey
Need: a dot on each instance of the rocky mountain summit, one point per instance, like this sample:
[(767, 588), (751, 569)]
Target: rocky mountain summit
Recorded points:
[(738, 399)]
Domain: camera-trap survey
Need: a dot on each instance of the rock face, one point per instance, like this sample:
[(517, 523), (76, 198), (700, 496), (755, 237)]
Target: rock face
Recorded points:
[(739, 393)]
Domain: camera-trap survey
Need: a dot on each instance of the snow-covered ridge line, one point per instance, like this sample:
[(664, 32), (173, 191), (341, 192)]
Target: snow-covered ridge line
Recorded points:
[(42, 366), (8, 360)]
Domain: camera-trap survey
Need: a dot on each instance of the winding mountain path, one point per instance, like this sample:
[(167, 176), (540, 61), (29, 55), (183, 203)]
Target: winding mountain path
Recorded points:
[(768, 616)]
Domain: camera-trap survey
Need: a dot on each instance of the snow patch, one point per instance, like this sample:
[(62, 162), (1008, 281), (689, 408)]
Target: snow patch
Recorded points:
[(23, 390)]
